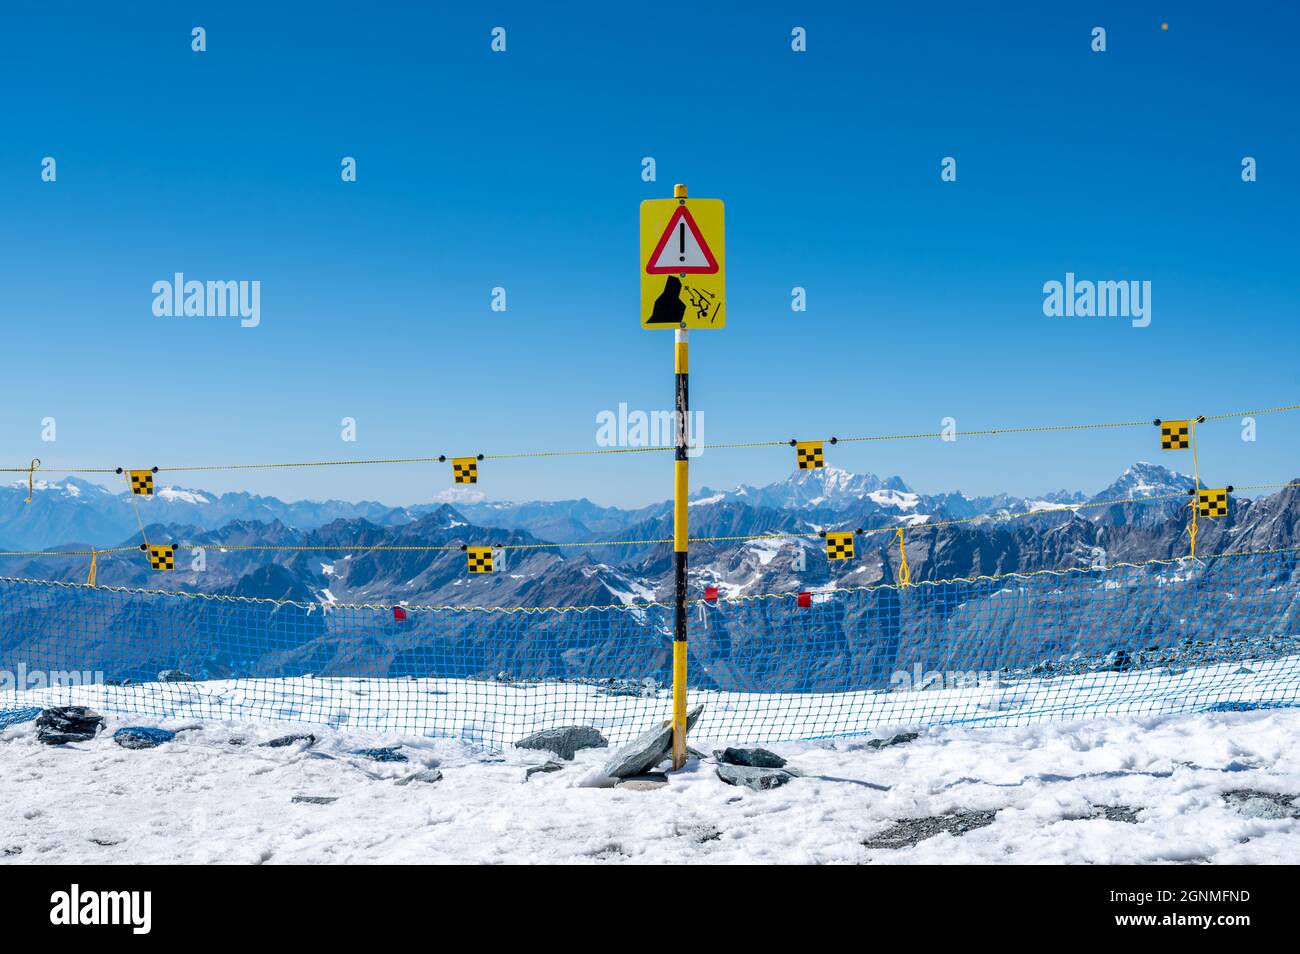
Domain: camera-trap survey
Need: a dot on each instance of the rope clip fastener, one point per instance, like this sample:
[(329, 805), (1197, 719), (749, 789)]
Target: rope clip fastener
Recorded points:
[(31, 473)]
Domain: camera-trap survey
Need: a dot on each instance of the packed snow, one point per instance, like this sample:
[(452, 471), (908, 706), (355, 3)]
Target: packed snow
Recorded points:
[(1108, 791), (1114, 785), (495, 713)]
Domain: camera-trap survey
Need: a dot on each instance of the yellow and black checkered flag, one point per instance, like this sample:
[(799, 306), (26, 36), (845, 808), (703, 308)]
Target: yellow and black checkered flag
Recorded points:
[(1175, 435), (809, 455), (839, 545), (464, 470), (162, 556), (1212, 503), (141, 482), (480, 559)]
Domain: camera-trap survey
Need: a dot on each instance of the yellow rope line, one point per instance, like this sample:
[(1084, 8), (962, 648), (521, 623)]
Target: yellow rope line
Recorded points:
[(1266, 410), (135, 507), (93, 550), (643, 450), (904, 574), (582, 453), (991, 577)]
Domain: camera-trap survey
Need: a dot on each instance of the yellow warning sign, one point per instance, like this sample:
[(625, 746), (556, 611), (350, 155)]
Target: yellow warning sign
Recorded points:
[(809, 455), (683, 264), (1212, 502), (480, 559), (162, 556), (839, 545), (141, 482), (464, 470), (1175, 435)]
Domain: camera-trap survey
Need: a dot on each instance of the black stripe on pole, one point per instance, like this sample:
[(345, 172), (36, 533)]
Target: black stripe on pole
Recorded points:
[(679, 556)]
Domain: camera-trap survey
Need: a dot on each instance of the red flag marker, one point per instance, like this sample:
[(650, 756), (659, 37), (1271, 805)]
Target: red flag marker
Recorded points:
[(805, 600), (399, 613), (711, 594)]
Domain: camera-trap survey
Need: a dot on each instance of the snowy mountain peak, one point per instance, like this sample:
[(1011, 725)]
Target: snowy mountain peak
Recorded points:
[(1145, 479), (181, 495), (831, 487)]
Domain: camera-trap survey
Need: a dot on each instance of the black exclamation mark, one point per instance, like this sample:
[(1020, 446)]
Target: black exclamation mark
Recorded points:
[(681, 241)]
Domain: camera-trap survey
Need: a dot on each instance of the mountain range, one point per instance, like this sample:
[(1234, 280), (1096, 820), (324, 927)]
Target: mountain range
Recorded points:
[(76, 514), (850, 644)]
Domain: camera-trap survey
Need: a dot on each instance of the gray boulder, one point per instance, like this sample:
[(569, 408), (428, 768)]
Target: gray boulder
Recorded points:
[(385, 753), (1117, 660), (429, 775), (648, 749), (565, 741), (1258, 804), (759, 779), (287, 740), (142, 736), (755, 758), (899, 739), (62, 724), (545, 768)]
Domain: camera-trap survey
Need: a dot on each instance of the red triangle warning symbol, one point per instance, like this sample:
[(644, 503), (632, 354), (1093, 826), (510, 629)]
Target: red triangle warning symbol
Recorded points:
[(682, 249)]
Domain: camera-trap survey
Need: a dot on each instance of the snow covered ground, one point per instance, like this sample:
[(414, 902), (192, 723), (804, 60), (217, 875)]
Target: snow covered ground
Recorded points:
[(495, 714), (1116, 784), (213, 795)]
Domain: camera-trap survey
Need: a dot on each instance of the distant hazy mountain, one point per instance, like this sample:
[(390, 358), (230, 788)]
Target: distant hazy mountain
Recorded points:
[(75, 509)]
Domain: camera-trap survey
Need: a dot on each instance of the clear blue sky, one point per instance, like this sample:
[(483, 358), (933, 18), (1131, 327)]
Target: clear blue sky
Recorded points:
[(522, 170)]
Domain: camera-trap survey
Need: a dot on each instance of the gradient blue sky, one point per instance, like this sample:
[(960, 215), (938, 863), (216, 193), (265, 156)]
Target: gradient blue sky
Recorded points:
[(523, 170)]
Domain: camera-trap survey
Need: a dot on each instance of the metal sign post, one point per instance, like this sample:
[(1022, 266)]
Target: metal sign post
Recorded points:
[(683, 286)]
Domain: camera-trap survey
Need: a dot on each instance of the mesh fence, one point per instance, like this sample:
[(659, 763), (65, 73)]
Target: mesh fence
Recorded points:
[(1161, 637)]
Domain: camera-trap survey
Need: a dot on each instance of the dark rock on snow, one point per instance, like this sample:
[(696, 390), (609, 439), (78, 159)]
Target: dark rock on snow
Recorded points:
[(142, 737), (286, 740), (1116, 813), (910, 831), (759, 779), (547, 767), (174, 675), (1254, 803), (647, 750), (314, 799), (63, 724), (755, 758), (387, 753), (429, 775), (899, 739), (564, 740)]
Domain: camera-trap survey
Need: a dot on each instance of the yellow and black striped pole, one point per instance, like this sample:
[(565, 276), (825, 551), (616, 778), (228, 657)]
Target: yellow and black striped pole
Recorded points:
[(681, 367)]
